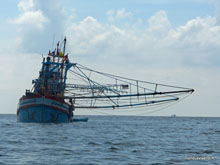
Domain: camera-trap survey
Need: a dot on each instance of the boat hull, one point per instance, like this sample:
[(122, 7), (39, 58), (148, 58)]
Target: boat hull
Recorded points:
[(43, 109)]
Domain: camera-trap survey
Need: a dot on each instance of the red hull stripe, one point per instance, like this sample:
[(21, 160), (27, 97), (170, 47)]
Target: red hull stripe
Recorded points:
[(37, 105), (29, 97), (38, 96)]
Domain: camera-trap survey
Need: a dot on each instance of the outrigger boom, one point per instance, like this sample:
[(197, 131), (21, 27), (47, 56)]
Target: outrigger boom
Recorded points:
[(120, 93), (131, 95)]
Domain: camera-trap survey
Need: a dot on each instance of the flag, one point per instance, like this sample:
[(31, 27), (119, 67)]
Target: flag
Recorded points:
[(61, 54)]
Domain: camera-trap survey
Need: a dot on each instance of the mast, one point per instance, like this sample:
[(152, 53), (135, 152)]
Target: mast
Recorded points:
[(64, 47), (62, 68)]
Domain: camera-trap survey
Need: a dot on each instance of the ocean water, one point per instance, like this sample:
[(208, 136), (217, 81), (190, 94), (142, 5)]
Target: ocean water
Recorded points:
[(111, 140)]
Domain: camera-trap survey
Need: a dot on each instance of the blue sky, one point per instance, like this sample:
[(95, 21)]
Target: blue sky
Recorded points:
[(179, 12), (172, 42)]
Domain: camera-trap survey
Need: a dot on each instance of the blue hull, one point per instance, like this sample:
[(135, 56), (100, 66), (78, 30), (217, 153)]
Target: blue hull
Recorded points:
[(42, 109), (42, 114)]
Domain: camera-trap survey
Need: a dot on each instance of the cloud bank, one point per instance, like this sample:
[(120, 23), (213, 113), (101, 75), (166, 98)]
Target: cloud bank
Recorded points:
[(196, 43)]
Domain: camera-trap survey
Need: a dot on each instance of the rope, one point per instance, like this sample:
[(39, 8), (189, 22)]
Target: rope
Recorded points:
[(106, 74)]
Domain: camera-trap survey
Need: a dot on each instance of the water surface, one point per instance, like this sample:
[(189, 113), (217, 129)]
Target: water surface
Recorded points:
[(111, 140)]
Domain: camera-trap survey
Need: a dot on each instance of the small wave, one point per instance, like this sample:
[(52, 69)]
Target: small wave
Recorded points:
[(113, 149), (93, 144)]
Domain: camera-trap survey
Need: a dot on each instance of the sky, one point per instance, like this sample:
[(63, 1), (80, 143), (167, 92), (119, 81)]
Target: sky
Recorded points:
[(164, 41)]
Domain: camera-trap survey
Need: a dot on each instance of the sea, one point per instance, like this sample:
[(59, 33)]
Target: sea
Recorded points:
[(111, 140)]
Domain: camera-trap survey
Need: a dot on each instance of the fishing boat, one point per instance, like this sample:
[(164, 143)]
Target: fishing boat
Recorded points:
[(55, 96)]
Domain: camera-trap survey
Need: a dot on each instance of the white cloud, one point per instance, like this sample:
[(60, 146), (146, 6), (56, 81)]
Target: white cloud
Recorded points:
[(121, 14), (118, 14), (26, 5), (198, 41), (38, 23), (32, 19), (29, 17), (159, 22), (89, 37)]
